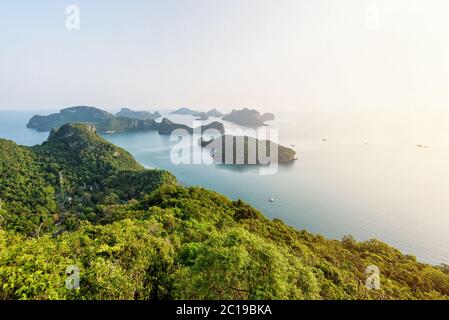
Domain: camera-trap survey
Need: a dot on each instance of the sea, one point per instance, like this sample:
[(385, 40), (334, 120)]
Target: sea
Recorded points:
[(375, 174)]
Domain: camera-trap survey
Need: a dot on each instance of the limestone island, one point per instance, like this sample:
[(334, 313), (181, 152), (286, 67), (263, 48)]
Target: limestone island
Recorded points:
[(186, 111), (139, 115), (199, 114), (248, 118), (106, 122), (218, 147)]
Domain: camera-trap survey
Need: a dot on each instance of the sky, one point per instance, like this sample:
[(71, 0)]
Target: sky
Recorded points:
[(266, 54)]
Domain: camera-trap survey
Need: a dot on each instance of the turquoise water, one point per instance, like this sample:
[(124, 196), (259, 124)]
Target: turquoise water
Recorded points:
[(368, 178)]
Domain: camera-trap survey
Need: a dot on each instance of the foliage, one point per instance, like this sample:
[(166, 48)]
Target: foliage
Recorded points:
[(136, 234), (71, 173)]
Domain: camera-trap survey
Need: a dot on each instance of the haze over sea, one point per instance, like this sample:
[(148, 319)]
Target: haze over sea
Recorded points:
[(368, 179)]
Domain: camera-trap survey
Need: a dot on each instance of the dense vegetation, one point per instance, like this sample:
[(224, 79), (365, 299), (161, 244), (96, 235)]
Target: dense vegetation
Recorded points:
[(137, 234), (68, 176)]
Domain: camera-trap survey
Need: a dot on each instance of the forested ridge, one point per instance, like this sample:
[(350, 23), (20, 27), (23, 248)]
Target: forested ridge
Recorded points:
[(137, 234)]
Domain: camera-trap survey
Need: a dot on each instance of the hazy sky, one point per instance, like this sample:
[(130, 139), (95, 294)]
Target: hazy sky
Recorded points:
[(226, 53)]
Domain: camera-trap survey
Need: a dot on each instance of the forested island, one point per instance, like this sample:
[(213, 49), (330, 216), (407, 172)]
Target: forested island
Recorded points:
[(77, 200), (246, 150), (244, 117), (139, 115), (199, 114), (186, 111), (106, 122), (248, 118)]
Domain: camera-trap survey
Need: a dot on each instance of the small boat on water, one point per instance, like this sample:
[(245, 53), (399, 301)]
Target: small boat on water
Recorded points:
[(271, 200)]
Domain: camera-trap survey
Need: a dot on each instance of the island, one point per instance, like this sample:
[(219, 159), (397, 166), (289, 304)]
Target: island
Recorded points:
[(199, 114), (139, 115), (106, 122), (186, 111), (78, 200), (214, 113), (218, 149), (167, 127), (202, 116), (248, 118), (81, 114)]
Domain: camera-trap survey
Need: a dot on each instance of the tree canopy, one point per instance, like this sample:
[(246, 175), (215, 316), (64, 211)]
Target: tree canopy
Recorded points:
[(137, 234)]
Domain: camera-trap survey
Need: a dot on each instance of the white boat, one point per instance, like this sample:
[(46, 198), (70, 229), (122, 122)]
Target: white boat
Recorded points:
[(271, 200)]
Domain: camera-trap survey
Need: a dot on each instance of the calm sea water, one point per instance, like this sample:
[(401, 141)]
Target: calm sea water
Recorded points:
[(368, 178)]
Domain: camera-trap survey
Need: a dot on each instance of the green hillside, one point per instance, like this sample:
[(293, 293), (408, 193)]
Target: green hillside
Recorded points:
[(137, 234), (70, 174)]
